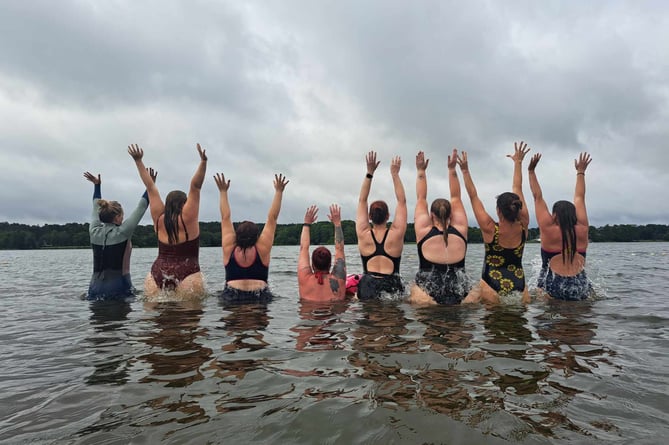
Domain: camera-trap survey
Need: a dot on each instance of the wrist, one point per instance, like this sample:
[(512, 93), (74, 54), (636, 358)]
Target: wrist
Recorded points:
[(369, 176), (306, 224), (580, 173)]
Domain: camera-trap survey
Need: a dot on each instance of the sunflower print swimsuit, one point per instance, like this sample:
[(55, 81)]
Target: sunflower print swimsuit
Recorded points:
[(502, 267)]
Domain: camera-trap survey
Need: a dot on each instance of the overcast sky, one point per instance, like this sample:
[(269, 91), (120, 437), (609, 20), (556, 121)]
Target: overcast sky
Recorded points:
[(306, 88)]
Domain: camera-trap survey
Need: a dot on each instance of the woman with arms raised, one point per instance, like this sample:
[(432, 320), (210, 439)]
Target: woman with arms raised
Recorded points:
[(111, 242), (564, 237), (380, 259), (442, 240), (504, 241), (316, 281), (246, 250), (176, 222)]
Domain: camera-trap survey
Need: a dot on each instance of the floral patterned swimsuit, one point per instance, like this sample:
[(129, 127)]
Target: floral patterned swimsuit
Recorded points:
[(502, 267)]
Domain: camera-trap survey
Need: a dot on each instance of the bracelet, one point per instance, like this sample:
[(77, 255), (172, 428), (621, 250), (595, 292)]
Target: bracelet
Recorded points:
[(369, 176), (306, 225), (580, 173)]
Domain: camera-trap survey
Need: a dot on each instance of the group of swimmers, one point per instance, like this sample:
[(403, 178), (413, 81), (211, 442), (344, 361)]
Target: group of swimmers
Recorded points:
[(441, 234)]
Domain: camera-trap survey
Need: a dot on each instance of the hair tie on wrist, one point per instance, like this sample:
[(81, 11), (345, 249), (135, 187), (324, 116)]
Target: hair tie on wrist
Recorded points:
[(580, 173), (306, 225), (370, 176)]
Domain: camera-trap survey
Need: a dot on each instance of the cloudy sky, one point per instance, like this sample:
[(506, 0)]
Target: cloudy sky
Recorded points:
[(306, 88)]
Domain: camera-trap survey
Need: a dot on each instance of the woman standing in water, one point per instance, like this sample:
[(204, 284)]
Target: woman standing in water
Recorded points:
[(380, 259), (442, 240), (246, 250), (316, 281), (564, 237), (110, 239), (176, 222), (504, 240)]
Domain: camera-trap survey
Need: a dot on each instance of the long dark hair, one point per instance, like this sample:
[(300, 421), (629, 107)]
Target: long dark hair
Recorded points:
[(565, 212), (441, 208), (246, 234), (174, 203), (509, 205)]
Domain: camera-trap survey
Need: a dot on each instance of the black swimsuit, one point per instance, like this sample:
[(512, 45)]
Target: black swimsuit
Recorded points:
[(446, 283), (502, 267), (374, 284)]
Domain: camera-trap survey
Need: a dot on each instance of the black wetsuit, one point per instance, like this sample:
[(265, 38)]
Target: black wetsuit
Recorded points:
[(111, 252)]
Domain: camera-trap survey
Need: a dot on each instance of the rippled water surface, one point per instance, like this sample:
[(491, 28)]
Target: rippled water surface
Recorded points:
[(347, 373)]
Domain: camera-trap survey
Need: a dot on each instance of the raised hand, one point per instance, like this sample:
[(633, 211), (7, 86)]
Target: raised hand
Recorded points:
[(421, 162), (372, 163), (94, 179), (311, 215), (520, 150), (280, 182), (452, 159), (153, 173), (335, 215), (221, 183), (395, 165), (533, 162), (202, 153), (582, 163), (462, 161), (135, 152)]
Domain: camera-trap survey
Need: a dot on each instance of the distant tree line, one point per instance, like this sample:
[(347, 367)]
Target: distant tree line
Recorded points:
[(75, 235)]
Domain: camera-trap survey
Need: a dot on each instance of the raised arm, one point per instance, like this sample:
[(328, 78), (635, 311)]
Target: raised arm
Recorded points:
[(97, 194), (581, 165), (303, 263), (421, 217), (543, 215), (228, 238), (340, 263), (485, 222), (130, 223), (458, 214), (191, 208), (520, 150), (400, 221), (362, 215), (155, 203), (266, 238)]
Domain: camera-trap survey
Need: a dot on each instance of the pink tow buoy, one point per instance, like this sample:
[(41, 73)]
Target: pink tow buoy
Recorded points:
[(352, 283)]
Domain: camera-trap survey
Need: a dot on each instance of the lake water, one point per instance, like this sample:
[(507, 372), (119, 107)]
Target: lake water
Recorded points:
[(372, 373)]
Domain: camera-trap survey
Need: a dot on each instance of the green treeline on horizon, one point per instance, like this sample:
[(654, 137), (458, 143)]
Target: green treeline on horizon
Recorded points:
[(14, 236)]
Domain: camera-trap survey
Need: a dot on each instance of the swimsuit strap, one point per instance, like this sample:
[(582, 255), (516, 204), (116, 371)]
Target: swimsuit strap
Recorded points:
[(383, 241)]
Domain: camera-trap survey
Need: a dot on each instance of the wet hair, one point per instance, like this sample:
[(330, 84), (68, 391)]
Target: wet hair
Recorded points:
[(246, 234), (109, 210), (378, 212), (565, 213), (174, 204), (441, 208), (321, 258), (509, 205)]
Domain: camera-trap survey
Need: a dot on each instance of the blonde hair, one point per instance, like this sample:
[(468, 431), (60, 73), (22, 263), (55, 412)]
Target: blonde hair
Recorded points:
[(109, 210)]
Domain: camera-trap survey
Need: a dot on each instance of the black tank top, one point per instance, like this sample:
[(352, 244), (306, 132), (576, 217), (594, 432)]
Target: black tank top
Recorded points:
[(256, 271)]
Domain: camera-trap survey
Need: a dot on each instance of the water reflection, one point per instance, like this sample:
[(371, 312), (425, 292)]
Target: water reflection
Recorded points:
[(112, 355), (318, 327), (244, 326), (176, 360)]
